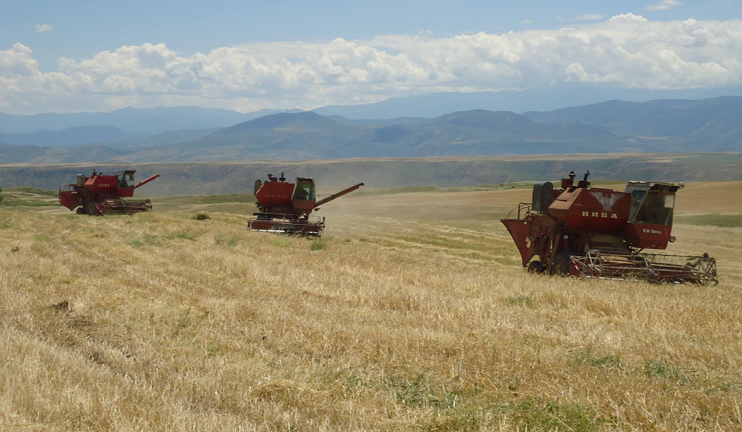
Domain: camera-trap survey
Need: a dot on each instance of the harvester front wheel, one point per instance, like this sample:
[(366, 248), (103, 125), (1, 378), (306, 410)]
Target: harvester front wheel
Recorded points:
[(535, 267), (560, 266), (80, 210)]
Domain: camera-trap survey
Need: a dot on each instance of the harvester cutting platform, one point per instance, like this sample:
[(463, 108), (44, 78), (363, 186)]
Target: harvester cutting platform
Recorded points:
[(104, 194), (285, 207), (591, 232)]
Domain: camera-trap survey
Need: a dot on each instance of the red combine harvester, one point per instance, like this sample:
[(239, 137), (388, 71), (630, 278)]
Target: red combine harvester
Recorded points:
[(285, 207), (103, 194), (599, 233)]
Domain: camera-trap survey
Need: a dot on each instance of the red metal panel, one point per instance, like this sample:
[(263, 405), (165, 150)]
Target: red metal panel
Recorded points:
[(647, 236), (305, 205), (69, 199), (592, 209), (125, 192), (101, 183), (520, 230), (275, 193)]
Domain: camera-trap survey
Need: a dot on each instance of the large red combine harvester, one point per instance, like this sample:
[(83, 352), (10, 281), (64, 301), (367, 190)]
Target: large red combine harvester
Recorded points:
[(285, 207), (104, 194), (600, 233)]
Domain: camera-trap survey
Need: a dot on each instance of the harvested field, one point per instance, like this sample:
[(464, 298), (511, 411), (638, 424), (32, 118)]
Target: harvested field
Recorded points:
[(412, 313)]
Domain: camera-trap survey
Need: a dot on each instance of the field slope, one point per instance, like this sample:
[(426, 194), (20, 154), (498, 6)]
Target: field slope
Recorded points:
[(412, 313)]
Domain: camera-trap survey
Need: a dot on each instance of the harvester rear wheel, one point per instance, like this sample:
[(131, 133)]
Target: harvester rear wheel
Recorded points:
[(80, 210), (560, 266), (535, 267)]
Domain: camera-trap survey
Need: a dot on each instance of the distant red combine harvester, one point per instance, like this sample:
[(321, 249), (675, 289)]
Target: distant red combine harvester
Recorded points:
[(285, 207), (104, 194), (600, 233)]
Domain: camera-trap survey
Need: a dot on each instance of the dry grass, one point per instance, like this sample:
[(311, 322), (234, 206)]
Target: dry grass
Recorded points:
[(413, 314)]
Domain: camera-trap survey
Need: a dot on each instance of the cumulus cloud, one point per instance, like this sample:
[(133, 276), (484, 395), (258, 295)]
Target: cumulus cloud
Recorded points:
[(40, 28), (626, 51), (664, 5), (590, 17)]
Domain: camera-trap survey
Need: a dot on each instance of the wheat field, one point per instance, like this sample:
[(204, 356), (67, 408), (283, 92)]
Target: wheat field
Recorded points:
[(412, 313)]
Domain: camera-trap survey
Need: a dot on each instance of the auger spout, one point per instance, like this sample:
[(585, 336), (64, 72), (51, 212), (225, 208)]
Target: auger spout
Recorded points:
[(337, 195), (144, 182)]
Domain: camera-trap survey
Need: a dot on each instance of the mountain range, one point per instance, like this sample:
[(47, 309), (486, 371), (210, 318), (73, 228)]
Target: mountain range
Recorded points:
[(607, 127)]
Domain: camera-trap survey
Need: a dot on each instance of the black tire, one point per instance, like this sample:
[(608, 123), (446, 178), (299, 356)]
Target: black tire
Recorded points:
[(80, 210), (560, 266), (91, 209), (535, 267)]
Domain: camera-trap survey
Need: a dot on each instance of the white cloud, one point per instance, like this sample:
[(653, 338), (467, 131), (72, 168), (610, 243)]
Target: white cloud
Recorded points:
[(664, 5), (626, 51), (527, 22), (40, 28), (590, 17)]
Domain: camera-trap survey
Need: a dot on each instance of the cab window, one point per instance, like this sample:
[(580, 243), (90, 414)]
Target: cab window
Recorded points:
[(653, 208), (126, 180), (304, 191)]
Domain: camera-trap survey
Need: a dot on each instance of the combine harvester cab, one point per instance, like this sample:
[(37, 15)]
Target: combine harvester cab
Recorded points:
[(600, 233), (286, 207), (104, 194)]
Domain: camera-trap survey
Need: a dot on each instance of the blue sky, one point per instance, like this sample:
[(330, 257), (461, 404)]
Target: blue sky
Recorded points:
[(78, 31)]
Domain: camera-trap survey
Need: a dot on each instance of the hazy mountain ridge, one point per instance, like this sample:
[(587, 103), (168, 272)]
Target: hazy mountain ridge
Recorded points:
[(608, 127), (309, 135), (132, 120), (708, 124), (73, 136)]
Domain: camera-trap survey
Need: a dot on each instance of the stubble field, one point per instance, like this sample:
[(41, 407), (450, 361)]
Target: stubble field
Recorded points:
[(412, 313)]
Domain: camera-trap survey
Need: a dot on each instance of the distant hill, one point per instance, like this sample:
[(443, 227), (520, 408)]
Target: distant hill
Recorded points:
[(536, 99), (308, 135), (304, 135), (480, 132), (73, 136), (132, 120), (10, 154), (164, 138), (700, 125), (96, 153), (377, 122), (709, 125)]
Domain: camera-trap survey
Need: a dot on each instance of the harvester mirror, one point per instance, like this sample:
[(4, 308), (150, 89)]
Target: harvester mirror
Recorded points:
[(258, 183), (543, 195)]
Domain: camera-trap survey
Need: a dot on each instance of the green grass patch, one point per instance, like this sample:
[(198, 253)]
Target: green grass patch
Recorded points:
[(535, 414), (520, 300), (31, 191), (228, 242), (43, 237), (724, 221), (28, 197), (182, 235), (205, 199), (436, 189), (661, 369), (588, 357), (282, 243), (318, 244), (146, 240)]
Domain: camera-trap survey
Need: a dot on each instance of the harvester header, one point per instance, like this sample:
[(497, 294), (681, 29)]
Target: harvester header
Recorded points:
[(601, 233)]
